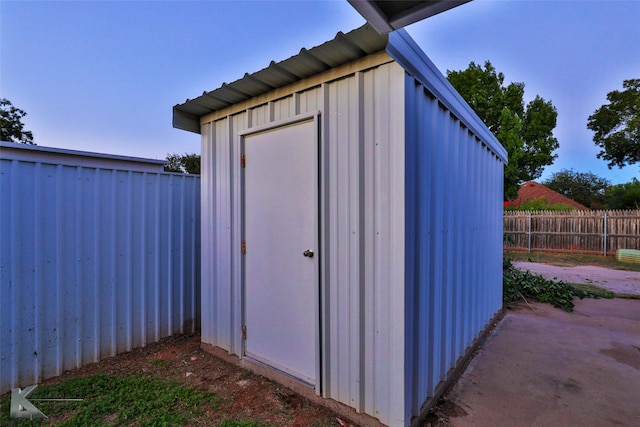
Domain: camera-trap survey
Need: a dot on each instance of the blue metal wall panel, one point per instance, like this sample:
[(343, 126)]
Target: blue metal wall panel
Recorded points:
[(453, 184), (94, 261), (454, 247)]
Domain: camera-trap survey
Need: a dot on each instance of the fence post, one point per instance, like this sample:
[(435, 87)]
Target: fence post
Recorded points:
[(529, 235), (604, 249)]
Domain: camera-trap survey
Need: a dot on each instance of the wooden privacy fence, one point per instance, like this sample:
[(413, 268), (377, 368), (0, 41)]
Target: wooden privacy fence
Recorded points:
[(598, 232)]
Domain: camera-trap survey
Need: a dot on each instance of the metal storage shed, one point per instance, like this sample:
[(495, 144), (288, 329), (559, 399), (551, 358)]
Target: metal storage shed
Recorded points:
[(351, 222)]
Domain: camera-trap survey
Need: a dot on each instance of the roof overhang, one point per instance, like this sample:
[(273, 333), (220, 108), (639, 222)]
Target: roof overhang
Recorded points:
[(387, 16), (343, 49)]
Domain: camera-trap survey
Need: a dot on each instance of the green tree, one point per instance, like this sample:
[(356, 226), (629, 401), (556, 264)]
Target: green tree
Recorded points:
[(186, 163), (617, 126), (539, 204), (585, 188), (624, 196), (526, 132), (11, 126)]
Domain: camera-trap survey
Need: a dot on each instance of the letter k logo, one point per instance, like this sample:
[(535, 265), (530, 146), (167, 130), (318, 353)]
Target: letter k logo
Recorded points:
[(21, 407)]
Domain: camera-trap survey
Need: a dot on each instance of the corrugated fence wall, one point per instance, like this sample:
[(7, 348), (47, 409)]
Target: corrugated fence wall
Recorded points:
[(94, 261)]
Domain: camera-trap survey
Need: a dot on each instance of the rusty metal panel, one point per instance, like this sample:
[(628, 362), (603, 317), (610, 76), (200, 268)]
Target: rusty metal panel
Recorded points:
[(94, 261)]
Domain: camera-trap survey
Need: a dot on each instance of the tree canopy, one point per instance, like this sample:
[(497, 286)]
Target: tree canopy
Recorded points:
[(526, 132), (624, 196), (585, 188), (186, 163), (617, 126), (11, 126)]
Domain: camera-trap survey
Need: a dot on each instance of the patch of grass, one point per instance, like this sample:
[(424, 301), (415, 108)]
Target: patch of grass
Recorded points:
[(626, 296), (568, 259), (595, 290), (160, 363), (110, 400), (526, 286)]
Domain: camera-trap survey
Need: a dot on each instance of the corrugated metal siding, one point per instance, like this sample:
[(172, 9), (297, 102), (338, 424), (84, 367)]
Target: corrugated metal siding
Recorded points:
[(384, 235), (342, 49), (362, 158), (411, 191), (222, 267), (454, 246), (364, 222), (94, 262)]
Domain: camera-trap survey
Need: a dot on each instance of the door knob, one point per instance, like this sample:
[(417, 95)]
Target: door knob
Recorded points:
[(308, 253)]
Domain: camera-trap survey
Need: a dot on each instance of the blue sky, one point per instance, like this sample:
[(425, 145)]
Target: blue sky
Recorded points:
[(103, 76)]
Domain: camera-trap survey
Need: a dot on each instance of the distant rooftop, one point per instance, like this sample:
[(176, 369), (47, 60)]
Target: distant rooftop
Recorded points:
[(532, 190)]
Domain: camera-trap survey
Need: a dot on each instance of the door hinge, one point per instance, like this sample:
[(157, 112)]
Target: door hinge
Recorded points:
[(243, 247), (244, 332), (243, 160)]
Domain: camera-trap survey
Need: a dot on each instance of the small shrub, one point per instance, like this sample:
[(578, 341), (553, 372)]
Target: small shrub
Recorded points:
[(539, 204), (524, 285)]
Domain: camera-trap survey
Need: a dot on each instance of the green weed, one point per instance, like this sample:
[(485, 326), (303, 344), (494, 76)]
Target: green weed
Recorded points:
[(570, 259), (160, 363), (524, 285)]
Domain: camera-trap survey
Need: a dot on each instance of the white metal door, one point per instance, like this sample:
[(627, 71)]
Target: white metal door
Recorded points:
[(281, 260)]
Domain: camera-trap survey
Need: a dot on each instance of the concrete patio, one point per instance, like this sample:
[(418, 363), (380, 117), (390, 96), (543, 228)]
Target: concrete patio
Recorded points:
[(547, 367)]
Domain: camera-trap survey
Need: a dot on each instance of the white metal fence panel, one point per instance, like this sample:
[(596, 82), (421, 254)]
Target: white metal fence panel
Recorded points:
[(94, 261)]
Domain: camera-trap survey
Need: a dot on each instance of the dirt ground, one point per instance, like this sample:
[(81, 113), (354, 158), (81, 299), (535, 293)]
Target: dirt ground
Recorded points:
[(536, 368), (245, 396)]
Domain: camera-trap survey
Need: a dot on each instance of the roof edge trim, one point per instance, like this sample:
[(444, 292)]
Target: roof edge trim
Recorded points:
[(366, 62), (404, 50), (342, 49), (7, 148), (373, 15), (419, 13), (185, 121)]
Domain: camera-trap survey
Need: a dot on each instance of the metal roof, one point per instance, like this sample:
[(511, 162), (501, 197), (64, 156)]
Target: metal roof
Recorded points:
[(342, 49), (386, 16)]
